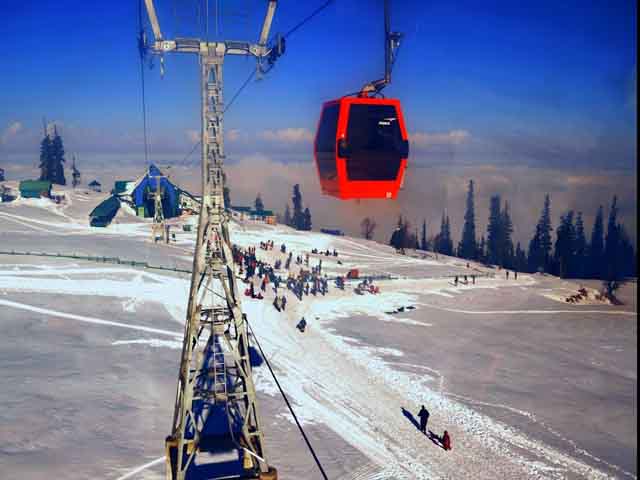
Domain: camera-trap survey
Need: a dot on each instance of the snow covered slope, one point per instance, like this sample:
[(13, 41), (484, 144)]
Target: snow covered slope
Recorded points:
[(528, 387)]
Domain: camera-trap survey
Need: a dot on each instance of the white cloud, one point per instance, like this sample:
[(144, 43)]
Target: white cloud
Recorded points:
[(287, 135), (236, 135), (452, 137), (10, 132), (192, 135)]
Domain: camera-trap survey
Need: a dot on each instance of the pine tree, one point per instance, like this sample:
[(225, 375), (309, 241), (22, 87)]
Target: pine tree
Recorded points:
[(306, 220), (540, 245), (407, 237), (75, 174), (468, 248), (494, 232), (397, 240), (580, 254), (448, 241), (612, 244), (45, 157), (545, 233), (287, 216), (57, 159), (520, 262), (423, 241), (506, 242), (298, 215), (367, 227), (444, 244), (482, 250), (564, 253), (258, 204), (596, 246)]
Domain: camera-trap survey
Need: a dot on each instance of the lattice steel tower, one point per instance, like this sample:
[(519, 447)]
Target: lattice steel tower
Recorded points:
[(215, 405)]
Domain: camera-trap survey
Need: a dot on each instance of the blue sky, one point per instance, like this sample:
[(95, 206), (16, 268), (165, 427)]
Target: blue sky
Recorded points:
[(540, 83)]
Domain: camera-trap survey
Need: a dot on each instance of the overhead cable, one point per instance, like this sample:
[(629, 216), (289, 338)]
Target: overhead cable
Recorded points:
[(284, 396)]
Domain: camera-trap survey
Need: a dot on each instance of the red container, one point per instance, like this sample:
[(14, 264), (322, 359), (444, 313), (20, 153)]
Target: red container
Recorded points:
[(361, 148)]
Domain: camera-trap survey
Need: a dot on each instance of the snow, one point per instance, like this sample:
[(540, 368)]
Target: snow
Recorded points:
[(342, 383)]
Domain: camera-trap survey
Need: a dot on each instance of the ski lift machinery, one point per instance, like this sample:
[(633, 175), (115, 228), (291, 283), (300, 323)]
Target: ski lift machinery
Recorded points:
[(361, 146)]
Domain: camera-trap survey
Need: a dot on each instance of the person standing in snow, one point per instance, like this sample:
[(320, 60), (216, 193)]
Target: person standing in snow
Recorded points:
[(446, 441), (424, 418), (302, 325)]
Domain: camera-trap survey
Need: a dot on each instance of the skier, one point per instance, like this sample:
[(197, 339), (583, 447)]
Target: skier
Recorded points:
[(283, 304), (515, 274), (455, 281), (424, 418)]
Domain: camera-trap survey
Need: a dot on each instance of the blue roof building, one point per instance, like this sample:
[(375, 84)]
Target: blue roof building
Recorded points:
[(144, 191)]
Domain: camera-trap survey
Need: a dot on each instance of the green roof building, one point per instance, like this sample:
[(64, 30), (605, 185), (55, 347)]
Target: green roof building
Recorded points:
[(102, 215), (35, 188), (120, 186)]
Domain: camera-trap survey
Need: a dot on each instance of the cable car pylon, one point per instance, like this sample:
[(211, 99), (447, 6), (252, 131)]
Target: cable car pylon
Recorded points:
[(215, 381)]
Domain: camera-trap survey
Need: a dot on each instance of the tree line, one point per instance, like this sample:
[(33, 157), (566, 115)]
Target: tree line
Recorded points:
[(608, 254)]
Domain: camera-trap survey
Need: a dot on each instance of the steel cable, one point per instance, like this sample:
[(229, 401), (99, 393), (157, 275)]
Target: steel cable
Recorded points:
[(284, 396)]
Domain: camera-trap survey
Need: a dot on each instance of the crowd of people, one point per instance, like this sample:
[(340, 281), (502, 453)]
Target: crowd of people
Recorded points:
[(258, 275)]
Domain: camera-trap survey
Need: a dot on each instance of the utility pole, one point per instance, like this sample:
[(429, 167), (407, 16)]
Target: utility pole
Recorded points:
[(75, 173), (215, 380), (158, 227)]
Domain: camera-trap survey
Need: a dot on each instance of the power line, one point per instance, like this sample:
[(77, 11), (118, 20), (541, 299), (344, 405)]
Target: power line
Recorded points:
[(309, 17), (141, 48), (284, 396), (239, 91)]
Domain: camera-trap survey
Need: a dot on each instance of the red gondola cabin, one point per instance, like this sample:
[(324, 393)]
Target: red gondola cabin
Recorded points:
[(361, 148)]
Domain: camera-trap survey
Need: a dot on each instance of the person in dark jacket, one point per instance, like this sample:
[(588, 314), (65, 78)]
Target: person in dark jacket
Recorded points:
[(424, 418), (302, 325)]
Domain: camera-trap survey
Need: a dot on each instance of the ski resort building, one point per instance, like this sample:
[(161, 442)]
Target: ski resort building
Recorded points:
[(35, 188), (248, 213), (95, 186), (140, 195)]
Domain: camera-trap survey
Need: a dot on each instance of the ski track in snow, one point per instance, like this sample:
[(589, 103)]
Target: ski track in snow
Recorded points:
[(80, 318)]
